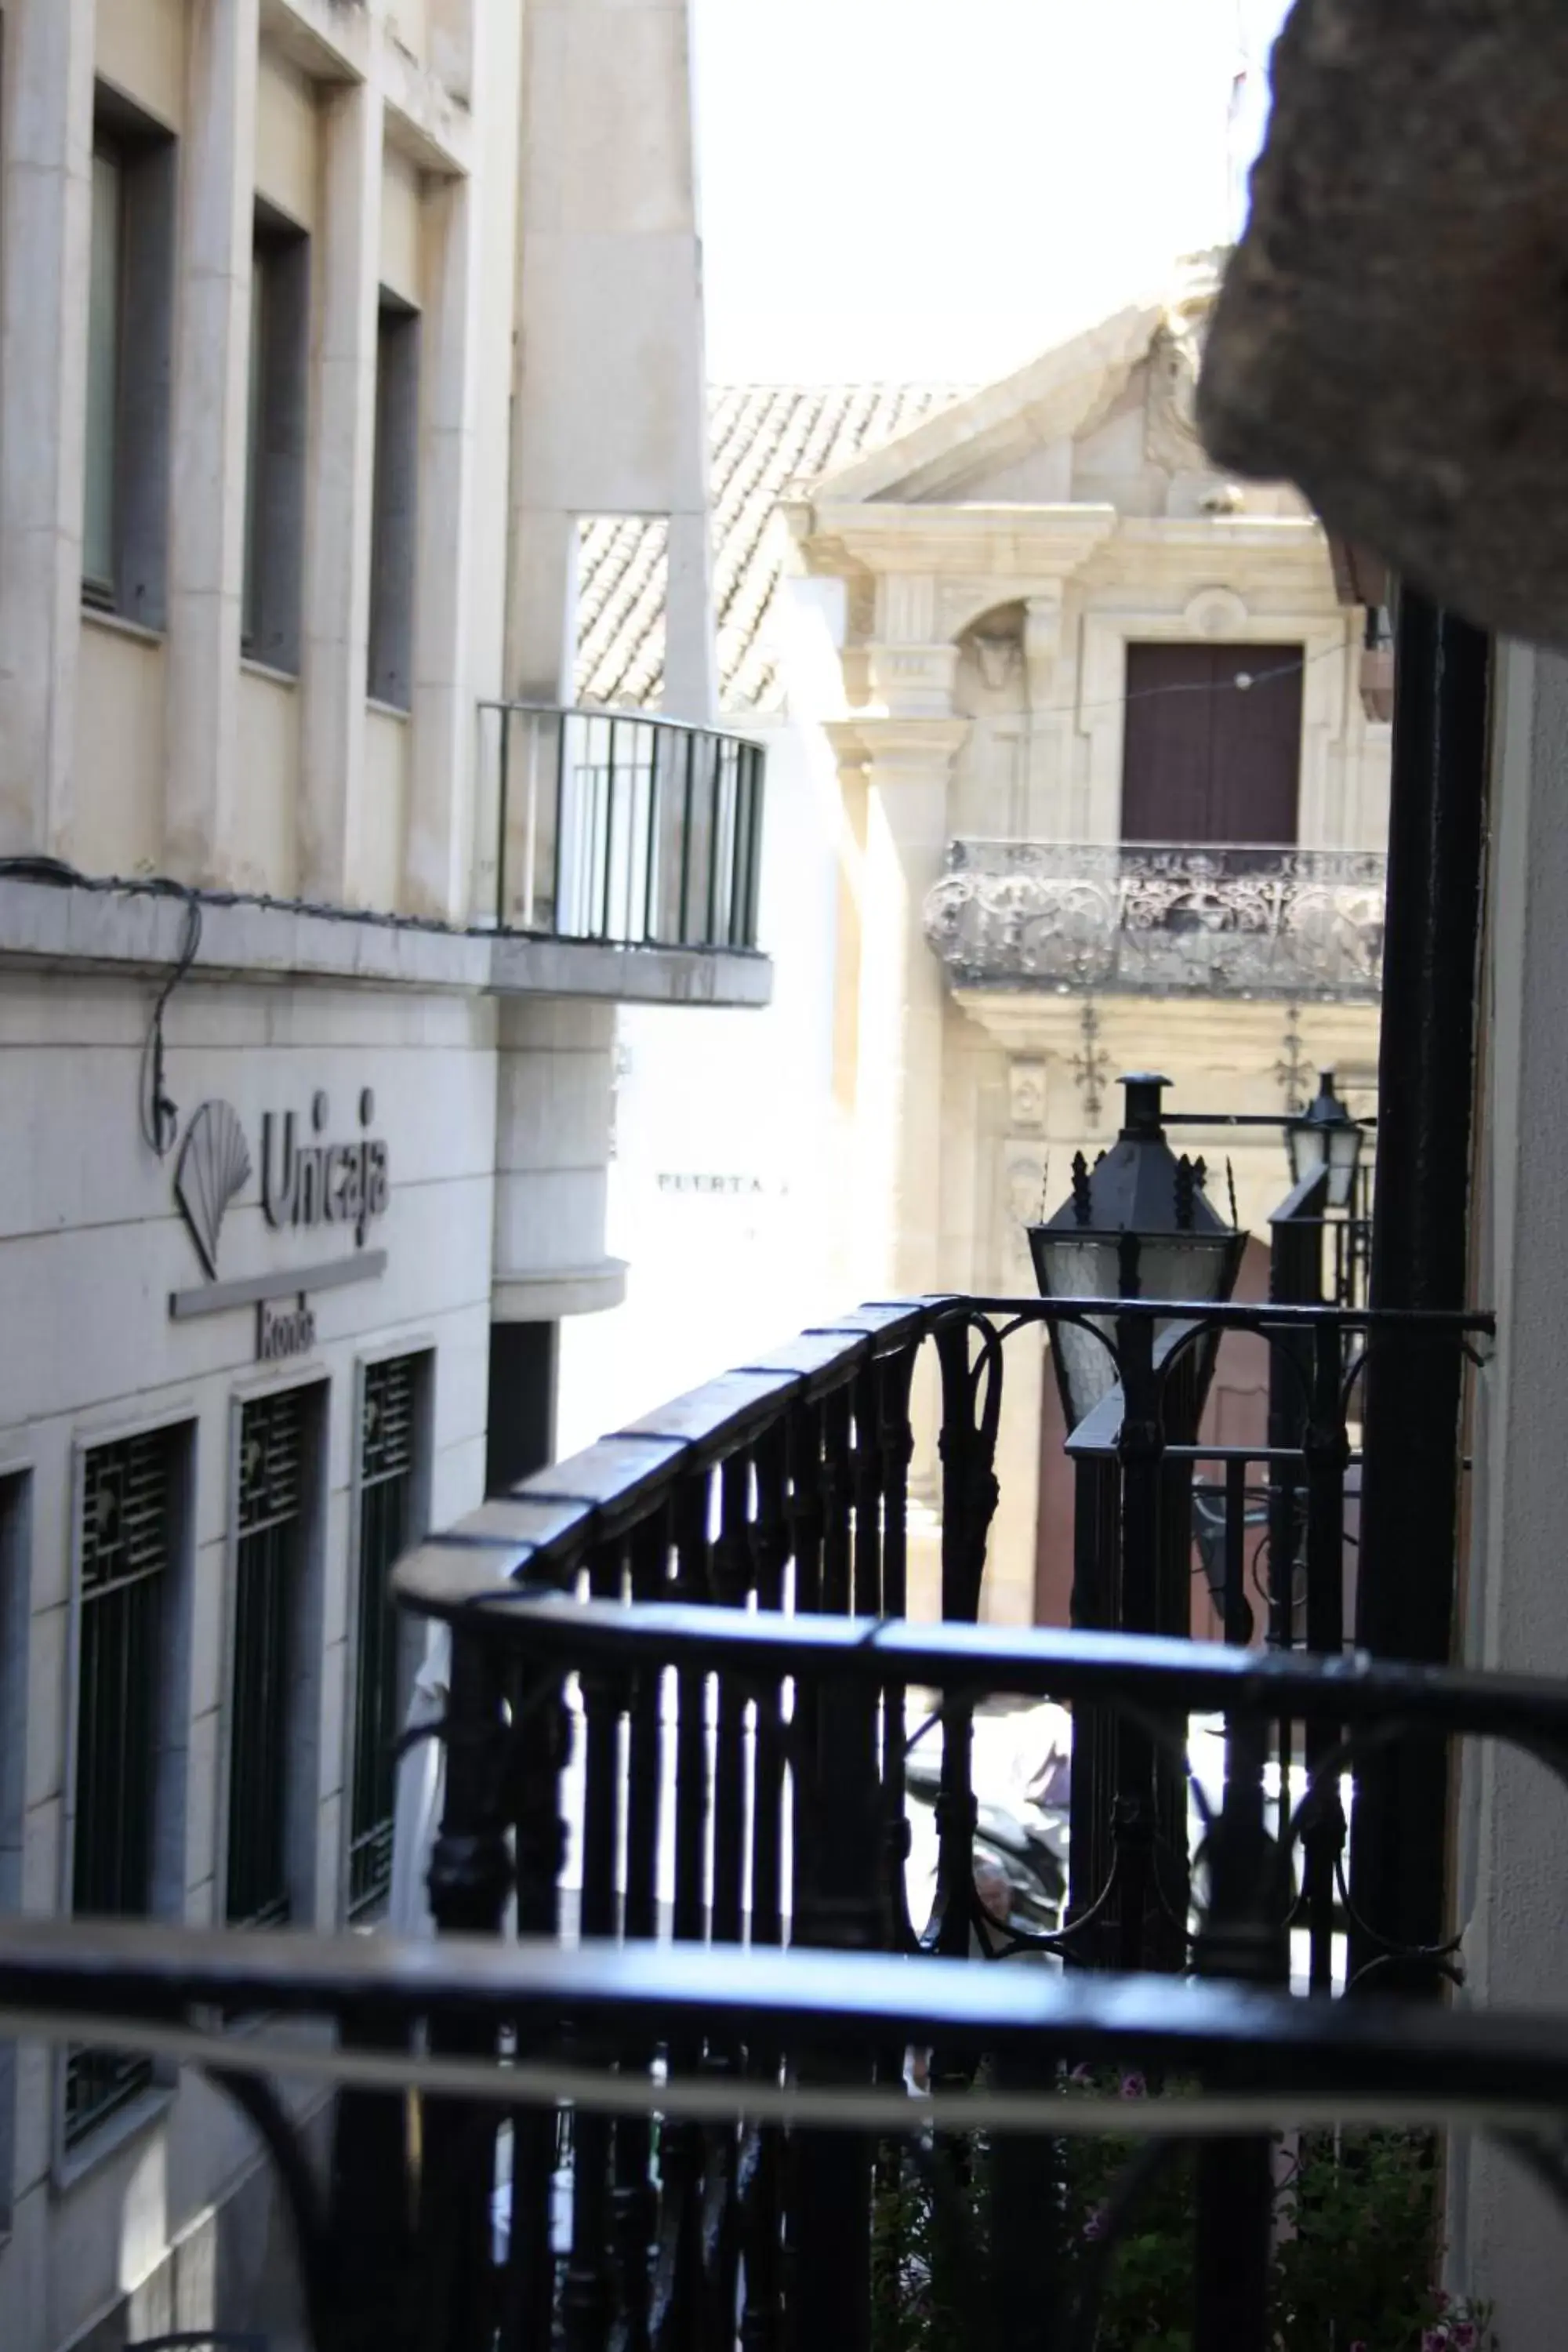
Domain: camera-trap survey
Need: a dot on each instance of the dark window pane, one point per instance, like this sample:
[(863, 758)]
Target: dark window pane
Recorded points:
[(127, 1534), (271, 1529), (385, 1530)]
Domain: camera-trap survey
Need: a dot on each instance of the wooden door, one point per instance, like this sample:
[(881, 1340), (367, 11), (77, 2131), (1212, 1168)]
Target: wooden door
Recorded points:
[(1212, 743)]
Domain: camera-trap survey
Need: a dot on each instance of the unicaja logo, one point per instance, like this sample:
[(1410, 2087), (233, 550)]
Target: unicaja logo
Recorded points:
[(305, 1183), (213, 1166)]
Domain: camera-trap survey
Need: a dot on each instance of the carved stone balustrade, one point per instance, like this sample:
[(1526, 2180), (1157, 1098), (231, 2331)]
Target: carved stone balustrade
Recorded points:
[(1161, 919)]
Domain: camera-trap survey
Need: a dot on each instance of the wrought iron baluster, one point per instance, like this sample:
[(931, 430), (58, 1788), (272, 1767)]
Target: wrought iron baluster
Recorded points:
[(1327, 1454), (807, 1524), (678, 2276), (1096, 1522), (470, 1878), (761, 2179), (634, 2201), (895, 1440), (1243, 1937), (1138, 1808), (586, 2290), (732, 1575), (538, 1747)]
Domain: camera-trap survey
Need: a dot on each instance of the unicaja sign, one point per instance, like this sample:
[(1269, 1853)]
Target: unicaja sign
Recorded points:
[(315, 1183), (307, 1180)]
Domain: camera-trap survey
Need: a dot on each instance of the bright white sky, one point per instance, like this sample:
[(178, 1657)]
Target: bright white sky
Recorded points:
[(938, 189)]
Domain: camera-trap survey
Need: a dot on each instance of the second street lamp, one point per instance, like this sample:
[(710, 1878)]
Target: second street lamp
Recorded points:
[(1326, 1136)]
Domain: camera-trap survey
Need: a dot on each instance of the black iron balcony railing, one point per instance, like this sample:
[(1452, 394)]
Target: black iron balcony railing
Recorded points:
[(610, 825), (1161, 918), (673, 1882)]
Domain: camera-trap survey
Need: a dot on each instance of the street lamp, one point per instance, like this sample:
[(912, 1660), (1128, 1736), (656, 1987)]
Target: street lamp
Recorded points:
[(1138, 1225), (1326, 1136)]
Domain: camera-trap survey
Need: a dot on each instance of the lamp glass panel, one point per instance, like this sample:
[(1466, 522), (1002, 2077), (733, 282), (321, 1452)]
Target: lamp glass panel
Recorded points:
[(1309, 1146), (1344, 1157), (1069, 1265)]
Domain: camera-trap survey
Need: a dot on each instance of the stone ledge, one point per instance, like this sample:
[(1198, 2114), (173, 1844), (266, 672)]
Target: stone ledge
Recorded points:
[(547, 1296), (545, 967), (57, 927)]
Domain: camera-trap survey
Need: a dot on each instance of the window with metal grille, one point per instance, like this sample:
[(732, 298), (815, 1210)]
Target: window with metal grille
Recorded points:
[(268, 1574), (128, 1533), (385, 1530)]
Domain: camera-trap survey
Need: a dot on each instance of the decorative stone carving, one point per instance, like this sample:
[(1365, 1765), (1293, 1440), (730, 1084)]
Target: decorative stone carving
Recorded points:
[(999, 659), (1287, 923), (1216, 613), (1025, 1203), (1026, 1093), (1390, 333), (1176, 356)]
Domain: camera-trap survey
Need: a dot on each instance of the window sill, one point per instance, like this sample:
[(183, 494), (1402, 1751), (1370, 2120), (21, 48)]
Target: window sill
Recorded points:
[(72, 2165), (389, 709), (100, 618), (253, 668)]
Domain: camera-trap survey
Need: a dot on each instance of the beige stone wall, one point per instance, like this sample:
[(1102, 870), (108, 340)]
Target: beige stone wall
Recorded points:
[(388, 132)]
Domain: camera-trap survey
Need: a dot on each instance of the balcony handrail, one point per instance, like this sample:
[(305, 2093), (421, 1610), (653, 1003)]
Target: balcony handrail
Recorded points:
[(1338, 2058), (630, 712), (551, 1519)]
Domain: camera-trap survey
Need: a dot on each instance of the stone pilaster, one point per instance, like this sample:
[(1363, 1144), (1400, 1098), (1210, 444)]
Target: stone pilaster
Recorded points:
[(1050, 712), (901, 1001), (436, 877), (338, 497), (46, 204), (207, 447)]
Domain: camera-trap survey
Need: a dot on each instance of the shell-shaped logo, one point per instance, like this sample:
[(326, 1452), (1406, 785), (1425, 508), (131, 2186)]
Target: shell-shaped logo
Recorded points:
[(215, 1165)]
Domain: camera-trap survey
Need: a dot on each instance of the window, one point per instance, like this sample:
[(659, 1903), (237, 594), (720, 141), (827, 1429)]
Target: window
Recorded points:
[(275, 442), (14, 1595), (1213, 745), (388, 1506), (129, 344), (392, 547), (128, 1544), (269, 1577), (103, 345)]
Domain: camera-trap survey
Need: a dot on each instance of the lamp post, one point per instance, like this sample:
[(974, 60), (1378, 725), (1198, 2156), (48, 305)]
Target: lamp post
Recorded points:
[(1325, 1137), (1139, 1224)]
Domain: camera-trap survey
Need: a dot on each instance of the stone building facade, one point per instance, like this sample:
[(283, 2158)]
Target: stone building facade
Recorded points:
[(304, 1159), (1113, 799)]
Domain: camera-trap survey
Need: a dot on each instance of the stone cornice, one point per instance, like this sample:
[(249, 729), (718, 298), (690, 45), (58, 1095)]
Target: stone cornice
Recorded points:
[(1033, 546), (876, 737)]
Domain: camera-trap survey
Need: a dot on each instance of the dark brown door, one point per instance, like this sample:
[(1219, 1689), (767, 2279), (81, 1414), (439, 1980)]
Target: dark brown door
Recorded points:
[(1213, 744)]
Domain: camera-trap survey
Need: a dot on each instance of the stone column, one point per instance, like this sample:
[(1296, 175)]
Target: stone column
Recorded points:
[(46, 210), (336, 620), (207, 449), (903, 1005), (439, 814), (691, 652)]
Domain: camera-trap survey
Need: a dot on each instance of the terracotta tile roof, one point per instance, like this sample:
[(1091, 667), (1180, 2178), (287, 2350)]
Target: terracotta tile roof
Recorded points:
[(768, 442)]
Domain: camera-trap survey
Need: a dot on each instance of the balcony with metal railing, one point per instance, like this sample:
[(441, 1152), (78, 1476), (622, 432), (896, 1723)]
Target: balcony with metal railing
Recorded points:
[(747, 2024), (616, 827), (1161, 919)]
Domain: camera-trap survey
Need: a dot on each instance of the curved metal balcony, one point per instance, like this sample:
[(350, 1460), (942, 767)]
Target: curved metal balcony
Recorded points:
[(617, 826), (1161, 919)]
